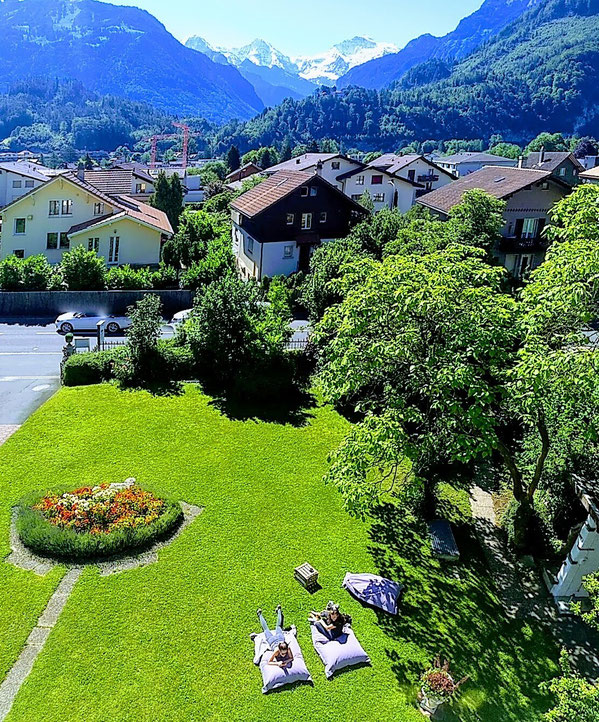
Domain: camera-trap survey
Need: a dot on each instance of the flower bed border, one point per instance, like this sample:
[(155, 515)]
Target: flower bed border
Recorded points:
[(48, 540)]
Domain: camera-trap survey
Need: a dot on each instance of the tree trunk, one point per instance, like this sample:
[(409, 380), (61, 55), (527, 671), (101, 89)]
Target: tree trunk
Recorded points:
[(522, 519)]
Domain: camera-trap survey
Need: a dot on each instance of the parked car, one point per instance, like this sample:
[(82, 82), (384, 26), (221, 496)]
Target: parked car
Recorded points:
[(180, 317), (69, 322)]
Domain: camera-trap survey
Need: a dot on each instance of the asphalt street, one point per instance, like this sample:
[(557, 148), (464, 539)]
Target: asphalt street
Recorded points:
[(29, 369)]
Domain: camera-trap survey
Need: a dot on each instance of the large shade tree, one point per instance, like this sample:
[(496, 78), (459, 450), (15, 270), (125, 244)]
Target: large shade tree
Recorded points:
[(445, 367)]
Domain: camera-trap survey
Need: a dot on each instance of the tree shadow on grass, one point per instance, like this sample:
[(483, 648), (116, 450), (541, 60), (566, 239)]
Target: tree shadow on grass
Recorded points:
[(453, 610), (157, 388), (291, 408)]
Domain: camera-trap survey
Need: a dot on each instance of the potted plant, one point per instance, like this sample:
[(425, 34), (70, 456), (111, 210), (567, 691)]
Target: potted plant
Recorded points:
[(437, 686)]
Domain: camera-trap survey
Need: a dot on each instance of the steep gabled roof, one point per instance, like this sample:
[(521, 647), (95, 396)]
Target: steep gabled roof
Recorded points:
[(498, 182), (129, 208), (23, 169), (247, 166), (277, 187), (591, 174), (551, 160)]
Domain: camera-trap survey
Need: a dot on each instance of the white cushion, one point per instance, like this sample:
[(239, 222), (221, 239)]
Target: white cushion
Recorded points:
[(339, 653), (274, 676)]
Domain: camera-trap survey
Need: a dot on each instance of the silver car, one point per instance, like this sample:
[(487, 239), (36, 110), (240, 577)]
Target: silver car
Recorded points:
[(70, 322)]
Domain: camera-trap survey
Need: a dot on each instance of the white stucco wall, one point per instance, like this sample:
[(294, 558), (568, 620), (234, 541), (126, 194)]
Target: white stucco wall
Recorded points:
[(7, 193), (406, 192)]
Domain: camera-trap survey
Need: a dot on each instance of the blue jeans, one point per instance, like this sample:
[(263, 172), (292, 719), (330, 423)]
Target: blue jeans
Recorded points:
[(273, 638)]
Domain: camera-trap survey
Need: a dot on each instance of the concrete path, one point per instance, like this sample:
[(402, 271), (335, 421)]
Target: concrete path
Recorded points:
[(6, 431), (36, 641), (524, 595)]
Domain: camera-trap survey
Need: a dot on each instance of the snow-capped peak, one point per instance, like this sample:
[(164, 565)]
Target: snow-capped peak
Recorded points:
[(263, 54), (330, 66)]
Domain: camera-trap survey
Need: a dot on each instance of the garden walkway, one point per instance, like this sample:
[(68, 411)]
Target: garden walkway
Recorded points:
[(523, 593), (7, 430)]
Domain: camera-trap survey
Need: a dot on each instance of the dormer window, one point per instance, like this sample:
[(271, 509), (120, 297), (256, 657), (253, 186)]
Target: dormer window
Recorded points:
[(336, 165)]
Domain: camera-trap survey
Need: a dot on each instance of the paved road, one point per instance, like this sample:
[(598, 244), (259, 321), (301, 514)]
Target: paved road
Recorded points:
[(29, 369)]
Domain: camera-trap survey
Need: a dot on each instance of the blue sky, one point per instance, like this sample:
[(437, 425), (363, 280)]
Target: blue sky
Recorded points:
[(303, 27)]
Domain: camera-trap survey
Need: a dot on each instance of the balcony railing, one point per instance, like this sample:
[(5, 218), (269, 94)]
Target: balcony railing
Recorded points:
[(512, 244), (428, 178)]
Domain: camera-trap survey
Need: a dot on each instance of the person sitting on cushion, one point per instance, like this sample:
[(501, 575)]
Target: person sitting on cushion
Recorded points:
[(273, 638), (282, 657), (331, 622)]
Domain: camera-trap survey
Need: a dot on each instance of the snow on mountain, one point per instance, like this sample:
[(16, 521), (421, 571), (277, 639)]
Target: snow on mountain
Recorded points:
[(322, 69), (328, 67)]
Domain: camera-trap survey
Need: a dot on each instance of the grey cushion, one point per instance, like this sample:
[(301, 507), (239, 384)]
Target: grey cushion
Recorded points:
[(339, 653), (274, 676)]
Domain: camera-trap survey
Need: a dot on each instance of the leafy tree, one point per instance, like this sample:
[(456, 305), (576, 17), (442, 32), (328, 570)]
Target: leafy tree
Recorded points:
[(577, 698), (83, 270), (366, 201), (586, 146), (506, 150), (549, 141), (477, 220), (140, 365), (168, 197), (233, 159), (36, 273), (190, 244), (11, 274), (374, 233), (447, 368), (590, 616)]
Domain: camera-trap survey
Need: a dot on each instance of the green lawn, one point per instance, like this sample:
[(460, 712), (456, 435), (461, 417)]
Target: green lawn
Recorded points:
[(170, 641)]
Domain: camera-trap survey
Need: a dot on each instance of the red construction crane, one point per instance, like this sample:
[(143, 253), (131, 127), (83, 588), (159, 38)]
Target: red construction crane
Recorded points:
[(186, 135)]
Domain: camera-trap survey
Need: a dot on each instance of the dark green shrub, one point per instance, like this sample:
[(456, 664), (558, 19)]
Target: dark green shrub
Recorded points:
[(165, 277), (36, 273), (83, 270), (48, 540), (139, 365), (125, 278), (11, 274), (176, 361), (91, 368)]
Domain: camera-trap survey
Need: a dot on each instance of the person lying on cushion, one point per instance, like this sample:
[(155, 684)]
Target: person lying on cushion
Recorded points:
[(331, 622), (282, 657), (273, 637)]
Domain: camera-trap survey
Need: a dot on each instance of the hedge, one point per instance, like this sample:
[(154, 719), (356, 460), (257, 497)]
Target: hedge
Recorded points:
[(49, 540)]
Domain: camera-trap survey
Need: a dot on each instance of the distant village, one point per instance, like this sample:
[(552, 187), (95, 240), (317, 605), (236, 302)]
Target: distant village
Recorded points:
[(297, 205)]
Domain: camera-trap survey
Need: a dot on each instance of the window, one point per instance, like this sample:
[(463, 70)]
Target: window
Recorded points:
[(140, 188), (64, 240), (52, 241), (378, 198), (336, 165), (93, 244), (288, 252), (98, 209), (411, 175), (323, 217), (54, 209), (562, 172), (28, 184), (20, 253), (113, 249), (306, 221), (17, 184), (305, 191), (377, 180), (290, 219), (360, 180), (313, 191), (66, 208), (530, 228), (250, 245), (20, 226), (356, 196)]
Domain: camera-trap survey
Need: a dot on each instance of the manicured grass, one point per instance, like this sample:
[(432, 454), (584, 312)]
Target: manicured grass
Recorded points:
[(170, 641)]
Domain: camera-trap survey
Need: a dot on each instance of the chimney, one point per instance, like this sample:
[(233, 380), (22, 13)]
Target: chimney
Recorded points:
[(81, 172), (318, 170), (521, 161), (542, 154)]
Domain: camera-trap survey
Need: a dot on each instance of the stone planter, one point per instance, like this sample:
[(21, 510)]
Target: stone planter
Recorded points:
[(430, 704)]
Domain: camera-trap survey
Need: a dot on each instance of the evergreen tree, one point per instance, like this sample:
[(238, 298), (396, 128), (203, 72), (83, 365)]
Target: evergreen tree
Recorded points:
[(285, 150), (233, 158), (168, 197), (266, 159)]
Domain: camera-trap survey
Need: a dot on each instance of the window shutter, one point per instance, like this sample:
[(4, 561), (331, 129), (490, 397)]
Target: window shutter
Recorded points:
[(541, 226)]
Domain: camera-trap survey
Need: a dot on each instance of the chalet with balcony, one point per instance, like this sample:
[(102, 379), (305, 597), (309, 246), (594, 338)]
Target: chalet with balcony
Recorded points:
[(415, 168), (278, 223), (329, 165), (529, 195), (562, 164)]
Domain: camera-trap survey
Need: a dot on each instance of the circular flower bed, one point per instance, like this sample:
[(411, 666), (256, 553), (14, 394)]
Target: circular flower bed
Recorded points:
[(95, 522)]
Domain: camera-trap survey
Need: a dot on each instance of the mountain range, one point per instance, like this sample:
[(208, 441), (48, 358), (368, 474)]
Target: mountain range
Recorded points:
[(276, 76), (118, 50)]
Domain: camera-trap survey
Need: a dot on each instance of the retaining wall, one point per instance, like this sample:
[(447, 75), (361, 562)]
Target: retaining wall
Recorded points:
[(42, 304)]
